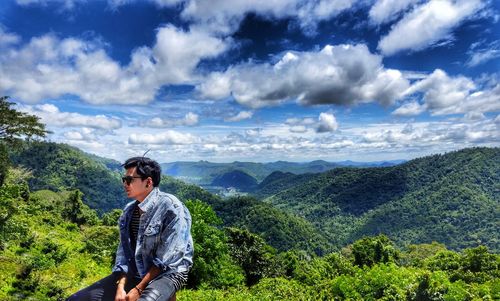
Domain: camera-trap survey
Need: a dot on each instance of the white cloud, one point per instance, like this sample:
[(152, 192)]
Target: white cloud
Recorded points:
[(168, 137), (384, 11), (67, 4), (52, 116), (190, 119), (483, 55), (178, 52), (342, 75), (327, 123), (48, 67), (85, 134), (427, 24), (409, 109), (7, 39), (443, 95), (240, 116)]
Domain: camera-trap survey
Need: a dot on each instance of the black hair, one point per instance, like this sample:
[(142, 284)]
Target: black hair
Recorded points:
[(145, 168)]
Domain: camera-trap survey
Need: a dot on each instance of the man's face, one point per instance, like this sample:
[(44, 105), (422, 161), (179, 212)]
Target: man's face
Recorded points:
[(137, 188)]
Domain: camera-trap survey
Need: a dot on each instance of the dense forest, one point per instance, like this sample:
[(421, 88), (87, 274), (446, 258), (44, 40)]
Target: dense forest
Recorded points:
[(52, 244), (451, 198)]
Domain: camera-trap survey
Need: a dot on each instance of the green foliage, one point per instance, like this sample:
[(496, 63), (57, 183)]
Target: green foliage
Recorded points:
[(15, 124), (4, 162), (101, 242), (371, 250), (60, 167), (111, 218), (251, 252), (213, 266), (416, 254), (282, 231), (451, 198), (77, 212), (41, 256)]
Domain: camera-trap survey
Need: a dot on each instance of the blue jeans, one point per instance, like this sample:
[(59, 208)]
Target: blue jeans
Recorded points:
[(159, 289)]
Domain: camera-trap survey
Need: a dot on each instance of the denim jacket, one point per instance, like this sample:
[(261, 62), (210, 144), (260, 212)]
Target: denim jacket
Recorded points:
[(164, 237)]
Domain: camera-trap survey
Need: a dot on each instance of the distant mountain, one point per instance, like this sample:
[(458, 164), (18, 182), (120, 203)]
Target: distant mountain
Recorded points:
[(237, 179), (204, 172), (452, 198)]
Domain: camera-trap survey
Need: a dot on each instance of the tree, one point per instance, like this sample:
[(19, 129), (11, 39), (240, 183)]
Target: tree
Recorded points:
[(371, 250), (14, 125), (251, 253)]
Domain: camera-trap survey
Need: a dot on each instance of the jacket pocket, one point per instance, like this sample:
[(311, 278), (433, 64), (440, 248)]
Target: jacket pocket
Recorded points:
[(151, 236)]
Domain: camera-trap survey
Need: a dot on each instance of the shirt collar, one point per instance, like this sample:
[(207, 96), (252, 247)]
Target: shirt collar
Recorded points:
[(149, 200)]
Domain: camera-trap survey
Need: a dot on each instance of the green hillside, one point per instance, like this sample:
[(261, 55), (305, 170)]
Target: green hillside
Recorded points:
[(59, 167), (52, 245), (452, 198)]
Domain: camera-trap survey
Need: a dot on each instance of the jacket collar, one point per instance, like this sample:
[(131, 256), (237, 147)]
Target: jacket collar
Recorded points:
[(150, 200)]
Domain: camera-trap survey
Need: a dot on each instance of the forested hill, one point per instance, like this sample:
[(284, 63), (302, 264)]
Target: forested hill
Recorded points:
[(451, 198), (60, 168)]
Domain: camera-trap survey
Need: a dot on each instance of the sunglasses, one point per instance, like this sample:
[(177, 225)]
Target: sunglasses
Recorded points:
[(128, 179)]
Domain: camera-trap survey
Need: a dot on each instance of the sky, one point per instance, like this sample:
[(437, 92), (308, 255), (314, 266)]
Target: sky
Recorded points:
[(259, 81)]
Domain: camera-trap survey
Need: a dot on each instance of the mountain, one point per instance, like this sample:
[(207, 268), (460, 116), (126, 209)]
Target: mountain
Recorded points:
[(237, 179), (204, 172), (451, 198), (60, 168), (283, 231)]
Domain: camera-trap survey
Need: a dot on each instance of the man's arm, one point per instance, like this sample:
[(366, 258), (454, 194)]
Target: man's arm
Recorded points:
[(120, 288), (136, 292)]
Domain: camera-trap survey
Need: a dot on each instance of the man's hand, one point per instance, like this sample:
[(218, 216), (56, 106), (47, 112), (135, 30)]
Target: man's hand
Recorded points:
[(132, 295), (121, 294)]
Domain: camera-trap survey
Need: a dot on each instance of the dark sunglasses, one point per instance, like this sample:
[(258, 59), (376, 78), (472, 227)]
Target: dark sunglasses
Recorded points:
[(128, 179)]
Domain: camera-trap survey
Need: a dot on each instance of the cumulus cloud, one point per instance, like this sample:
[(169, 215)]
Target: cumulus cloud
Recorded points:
[(48, 67), (52, 116), (84, 134), (327, 123), (427, 24), (190, 119), (342, 75), (443, 94), (168, 137), (224, 17), (240, 116)]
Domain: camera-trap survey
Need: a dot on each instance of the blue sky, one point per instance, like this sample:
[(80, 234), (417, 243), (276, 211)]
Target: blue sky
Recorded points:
[(256, 80)]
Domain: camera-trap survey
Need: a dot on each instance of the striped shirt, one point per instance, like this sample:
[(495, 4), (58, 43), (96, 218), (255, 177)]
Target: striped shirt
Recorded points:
[(134, 225)]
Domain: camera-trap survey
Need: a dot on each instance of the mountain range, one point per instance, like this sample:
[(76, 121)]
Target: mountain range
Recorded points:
[(451, 198)]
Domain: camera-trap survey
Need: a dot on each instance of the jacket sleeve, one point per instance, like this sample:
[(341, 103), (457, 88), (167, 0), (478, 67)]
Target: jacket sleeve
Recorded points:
[(175, 247), (121, 261)]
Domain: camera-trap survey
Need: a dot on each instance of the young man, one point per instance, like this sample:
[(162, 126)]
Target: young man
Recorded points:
[(155, 252)]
